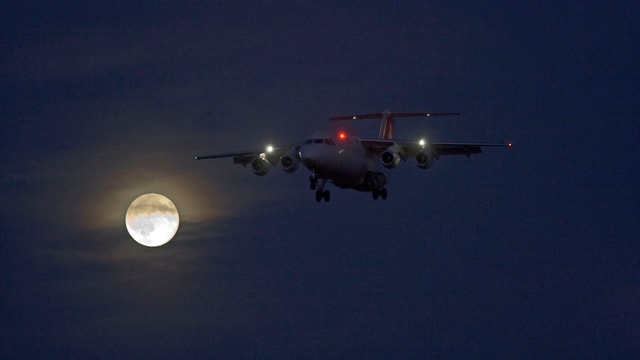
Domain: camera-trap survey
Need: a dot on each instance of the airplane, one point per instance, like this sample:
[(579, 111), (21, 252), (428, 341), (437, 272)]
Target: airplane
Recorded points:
[(349, 162)]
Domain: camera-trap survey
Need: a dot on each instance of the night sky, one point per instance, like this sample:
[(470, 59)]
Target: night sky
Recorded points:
[(529, 252)]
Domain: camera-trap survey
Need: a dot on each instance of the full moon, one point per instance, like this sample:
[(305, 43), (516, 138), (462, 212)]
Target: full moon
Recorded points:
[(152, 220)]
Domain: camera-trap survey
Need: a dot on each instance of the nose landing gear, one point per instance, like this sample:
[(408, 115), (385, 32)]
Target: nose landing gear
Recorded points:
[(313, 182), (317, 184)]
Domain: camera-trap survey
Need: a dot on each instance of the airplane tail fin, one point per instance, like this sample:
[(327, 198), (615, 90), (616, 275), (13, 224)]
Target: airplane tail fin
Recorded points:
[(386, 125)]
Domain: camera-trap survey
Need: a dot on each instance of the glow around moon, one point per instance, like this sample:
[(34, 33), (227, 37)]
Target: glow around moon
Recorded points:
[(152, 220)]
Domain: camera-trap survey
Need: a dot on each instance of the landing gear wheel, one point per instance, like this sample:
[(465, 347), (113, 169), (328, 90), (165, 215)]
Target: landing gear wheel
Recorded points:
[(323, 195), (379, 193)]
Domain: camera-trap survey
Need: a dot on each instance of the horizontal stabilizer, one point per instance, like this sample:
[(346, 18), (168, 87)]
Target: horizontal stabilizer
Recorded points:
[(386, 125), (392, 114)]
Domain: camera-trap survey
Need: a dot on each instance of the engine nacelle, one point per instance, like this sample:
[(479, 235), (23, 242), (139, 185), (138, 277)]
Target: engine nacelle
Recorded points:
[(290, 161), (424, 159), (390, 159), (260, 166)]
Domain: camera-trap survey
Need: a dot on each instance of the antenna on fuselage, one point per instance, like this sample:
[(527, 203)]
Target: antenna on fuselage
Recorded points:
[(386, 125)]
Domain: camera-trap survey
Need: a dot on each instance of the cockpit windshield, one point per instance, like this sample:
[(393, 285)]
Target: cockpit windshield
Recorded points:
[(321, 141)]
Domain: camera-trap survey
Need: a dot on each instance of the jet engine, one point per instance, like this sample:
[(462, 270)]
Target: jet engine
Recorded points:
[(260, 166), (424, 159), (290, 161), (390, 159)]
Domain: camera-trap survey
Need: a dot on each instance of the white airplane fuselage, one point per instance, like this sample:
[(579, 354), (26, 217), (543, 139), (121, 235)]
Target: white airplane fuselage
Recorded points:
[(342, 161)]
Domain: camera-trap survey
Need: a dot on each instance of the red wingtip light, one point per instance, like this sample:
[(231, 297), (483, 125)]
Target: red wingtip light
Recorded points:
[(510, 144)]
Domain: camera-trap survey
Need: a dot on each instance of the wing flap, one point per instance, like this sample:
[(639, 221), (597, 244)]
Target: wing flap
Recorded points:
[(463, 148), (411, 148), (456, 149)]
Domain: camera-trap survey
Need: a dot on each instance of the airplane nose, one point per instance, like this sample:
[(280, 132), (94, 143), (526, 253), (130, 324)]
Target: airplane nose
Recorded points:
[(306, 155), (309, 156)]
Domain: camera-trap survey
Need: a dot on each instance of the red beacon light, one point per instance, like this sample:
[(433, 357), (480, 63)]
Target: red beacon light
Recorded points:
[(342, 135)]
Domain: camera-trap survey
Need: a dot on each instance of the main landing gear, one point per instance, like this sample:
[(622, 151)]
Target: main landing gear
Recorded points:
[(320, 195), (379, 193), (318, 185)]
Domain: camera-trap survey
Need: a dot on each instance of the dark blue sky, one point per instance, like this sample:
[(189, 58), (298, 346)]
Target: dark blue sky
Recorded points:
[(530, 252)]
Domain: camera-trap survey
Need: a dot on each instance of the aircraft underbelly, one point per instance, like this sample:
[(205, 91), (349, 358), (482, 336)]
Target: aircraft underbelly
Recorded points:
[(347, 172), (343, 167)]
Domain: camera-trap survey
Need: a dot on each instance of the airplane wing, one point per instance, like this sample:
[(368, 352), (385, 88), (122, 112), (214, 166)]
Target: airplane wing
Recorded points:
[(242, 157), (408, 149), (272, 154)]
